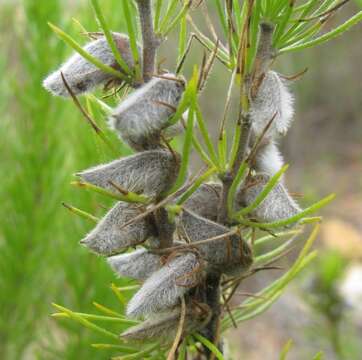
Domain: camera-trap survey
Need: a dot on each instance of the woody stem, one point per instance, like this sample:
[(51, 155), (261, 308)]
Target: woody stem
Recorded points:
[(149, 39)]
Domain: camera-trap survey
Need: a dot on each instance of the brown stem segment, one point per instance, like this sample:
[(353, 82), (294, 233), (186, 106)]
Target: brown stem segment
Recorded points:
[(212, 297), (251, 83), (149, 39), (165, 228)]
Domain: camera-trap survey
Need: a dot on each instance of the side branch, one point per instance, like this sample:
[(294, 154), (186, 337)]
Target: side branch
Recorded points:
[(150, 41)]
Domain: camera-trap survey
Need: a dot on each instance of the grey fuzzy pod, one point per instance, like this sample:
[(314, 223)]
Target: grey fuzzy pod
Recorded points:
[(278, 205), (272, 98), (205, 200), (230, 255), (138, 265), (148, 172), (140, 118), (164, 287), (164, 327), (269, 160), (81, 75), (108, 237)]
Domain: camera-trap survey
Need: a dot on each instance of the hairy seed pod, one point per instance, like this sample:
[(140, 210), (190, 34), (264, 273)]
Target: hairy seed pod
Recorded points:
[(164, 326), (205, 200), (148, 172), (228, 255), (278, 205), (81, 75), (164, 287), (108, 237), (269, 160), (140, 118), (173, 130), (273, 98), (138, 265)]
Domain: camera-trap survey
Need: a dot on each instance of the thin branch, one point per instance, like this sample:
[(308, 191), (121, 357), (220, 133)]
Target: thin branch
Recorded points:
[(150, 41)]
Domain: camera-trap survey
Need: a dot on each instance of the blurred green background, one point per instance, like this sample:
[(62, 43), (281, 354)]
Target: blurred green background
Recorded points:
[(44, 140)]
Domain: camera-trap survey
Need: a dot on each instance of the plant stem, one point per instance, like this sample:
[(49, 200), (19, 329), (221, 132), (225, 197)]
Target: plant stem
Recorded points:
[(150, 44), (249, 87), (149, 39), (165, 228), (212, 295)]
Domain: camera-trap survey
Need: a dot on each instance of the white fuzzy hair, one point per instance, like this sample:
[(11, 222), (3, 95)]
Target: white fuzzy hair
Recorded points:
[(273, 98), (108, 237), (145, 112), (139, 264), (147, 172), (278, 205), (165, 286), (81, 75)]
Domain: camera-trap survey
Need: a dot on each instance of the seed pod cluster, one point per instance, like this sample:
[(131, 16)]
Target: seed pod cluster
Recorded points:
[(81, 75)]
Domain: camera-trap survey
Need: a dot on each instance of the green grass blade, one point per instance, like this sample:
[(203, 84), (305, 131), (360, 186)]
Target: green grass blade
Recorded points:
[(109, 37), (205, 134), (121, 348), (339, 30), (141, 355), (132, 38), (210, 346), (73, 44), (185, 152), (181, 15), (222, 150), (309, 210), (234, 187), (264, 193), (130, 197), (81, 213), (97, 318), (264, 258), (196, 185), (182, 39), (158, 8), (285, 350), (85, 322), (172, 4)]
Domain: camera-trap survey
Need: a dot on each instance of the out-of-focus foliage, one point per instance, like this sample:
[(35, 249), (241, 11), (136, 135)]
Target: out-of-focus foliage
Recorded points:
[(43, 141)]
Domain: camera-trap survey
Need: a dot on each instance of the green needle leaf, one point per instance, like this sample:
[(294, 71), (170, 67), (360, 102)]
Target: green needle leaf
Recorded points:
[(264, 193), (293, 219), (210, 346), (326, 37), (85, 322), (72, 43), (109, 37)]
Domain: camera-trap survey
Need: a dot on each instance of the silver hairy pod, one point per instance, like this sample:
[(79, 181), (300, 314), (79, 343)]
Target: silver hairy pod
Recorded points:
[(205, 200), (140, 118), (81, 75), (278, 205), (268, 159), (273, 99), (229, 255), (148, 172), (164, 287), (138, 265), (164, 326), (110, 237)]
